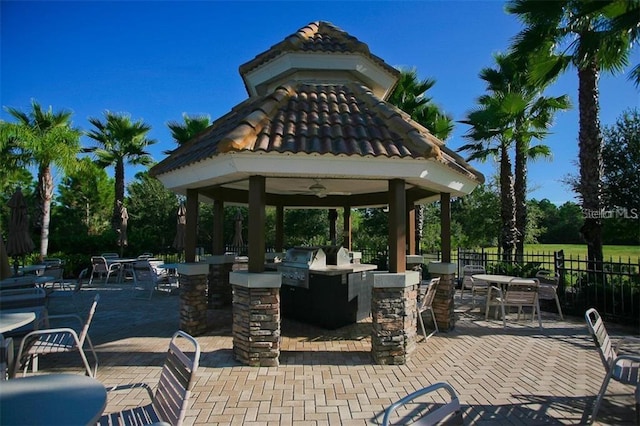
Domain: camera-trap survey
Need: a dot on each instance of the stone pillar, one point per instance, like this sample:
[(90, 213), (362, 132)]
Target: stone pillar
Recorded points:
[(193, 301), (414, 263), (443, 307), (219, 292), (394, 312), (256, 318)]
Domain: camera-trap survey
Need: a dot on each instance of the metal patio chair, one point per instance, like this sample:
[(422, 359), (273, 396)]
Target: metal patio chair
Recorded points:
[(521, 293), (171, 398), (472, 284), (425, 303), (56, 340), (548, 289), (622, 368), (411, 411)]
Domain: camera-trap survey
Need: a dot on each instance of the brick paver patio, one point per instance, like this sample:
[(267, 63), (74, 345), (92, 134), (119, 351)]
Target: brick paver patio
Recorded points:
[(515, 376)]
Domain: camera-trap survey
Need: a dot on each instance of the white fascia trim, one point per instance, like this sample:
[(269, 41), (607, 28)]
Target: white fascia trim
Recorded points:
[(353, 62), (223, 168)]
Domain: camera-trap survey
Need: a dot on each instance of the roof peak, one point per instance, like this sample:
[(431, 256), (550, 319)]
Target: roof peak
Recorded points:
[(318, 49)]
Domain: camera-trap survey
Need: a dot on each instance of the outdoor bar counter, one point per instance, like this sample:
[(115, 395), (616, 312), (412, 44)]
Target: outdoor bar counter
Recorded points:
[(324, 294)]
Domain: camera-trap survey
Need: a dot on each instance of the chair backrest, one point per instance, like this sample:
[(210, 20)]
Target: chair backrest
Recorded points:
[(429, 418), (547, 277), (87, 323), (143, 271), (53, 268), (110, 255), (176, 379), (468, 271), (429, 293), (99, 264), (600, 337), (522, 291), (81, 278)]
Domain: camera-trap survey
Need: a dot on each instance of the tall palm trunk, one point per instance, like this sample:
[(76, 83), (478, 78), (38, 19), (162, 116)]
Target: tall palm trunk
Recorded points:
[(119, 177), (507, 207), (45, 195), (590, 155), (520, 189)]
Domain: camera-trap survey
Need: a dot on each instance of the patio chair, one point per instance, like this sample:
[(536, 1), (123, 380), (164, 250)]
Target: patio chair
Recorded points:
[(102, 268), (548, 289), (56, 340), (6, 357), (54, 268), (425, 302), (623, 368), (145, 279), (521, 293), (470, 283), (426, 413), (74, 294), (171, 398)]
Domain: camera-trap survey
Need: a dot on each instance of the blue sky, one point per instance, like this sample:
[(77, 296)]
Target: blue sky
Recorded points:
[(158, 60)]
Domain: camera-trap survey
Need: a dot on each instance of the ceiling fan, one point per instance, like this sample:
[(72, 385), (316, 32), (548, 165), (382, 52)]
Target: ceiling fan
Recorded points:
[(319, 190)]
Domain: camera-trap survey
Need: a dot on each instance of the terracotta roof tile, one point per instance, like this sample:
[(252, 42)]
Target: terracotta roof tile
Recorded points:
[(318, 36), (338, 119)]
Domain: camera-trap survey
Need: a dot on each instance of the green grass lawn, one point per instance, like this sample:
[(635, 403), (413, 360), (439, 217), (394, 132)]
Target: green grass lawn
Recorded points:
[(574, 250)]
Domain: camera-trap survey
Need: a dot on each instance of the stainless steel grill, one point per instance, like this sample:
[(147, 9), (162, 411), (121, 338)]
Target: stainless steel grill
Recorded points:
[(297, 262)]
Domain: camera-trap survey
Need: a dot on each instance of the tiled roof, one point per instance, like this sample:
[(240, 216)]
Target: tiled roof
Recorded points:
[(317, 36), (339, 119)]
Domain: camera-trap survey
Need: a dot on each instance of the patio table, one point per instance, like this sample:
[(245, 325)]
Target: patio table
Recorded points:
[(52, 399), (12, 320), (25, 281), (31, 269), (503, 280)]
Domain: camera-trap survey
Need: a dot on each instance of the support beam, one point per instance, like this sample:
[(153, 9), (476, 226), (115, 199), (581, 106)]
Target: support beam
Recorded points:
[(218, 227), (346, 228), (191, 234), (445, 226), (279, 229), (397, 226), (257, 224), (412, 237), (333, 229)]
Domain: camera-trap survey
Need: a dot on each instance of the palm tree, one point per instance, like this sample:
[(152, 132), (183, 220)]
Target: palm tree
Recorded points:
[(183, 132), (48, 140), (489, 140), (593, 36), (529, 115), (121, 142), (410, 96)]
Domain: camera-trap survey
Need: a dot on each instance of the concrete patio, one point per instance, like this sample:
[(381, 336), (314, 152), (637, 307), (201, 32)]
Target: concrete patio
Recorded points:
[(517, 376)]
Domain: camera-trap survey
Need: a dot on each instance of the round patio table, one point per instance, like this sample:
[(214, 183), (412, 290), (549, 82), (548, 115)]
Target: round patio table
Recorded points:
[(52, 399), (495, 279), (12, 320)]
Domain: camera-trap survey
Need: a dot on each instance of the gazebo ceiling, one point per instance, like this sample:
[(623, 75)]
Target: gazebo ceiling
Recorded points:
[(322, 137)]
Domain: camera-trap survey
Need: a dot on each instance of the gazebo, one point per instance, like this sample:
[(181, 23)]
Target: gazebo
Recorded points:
[(315, 132)]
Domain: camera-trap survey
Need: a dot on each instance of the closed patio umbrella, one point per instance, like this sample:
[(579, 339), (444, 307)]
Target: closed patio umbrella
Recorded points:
[(4, 261), (19, 241), (178, 241), (237, 236)]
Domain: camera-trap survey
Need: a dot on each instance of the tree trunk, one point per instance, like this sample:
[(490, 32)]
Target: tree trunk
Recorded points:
[(507, 207), (45, 194), (119, 178), (520, 189), (590, 156)]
